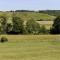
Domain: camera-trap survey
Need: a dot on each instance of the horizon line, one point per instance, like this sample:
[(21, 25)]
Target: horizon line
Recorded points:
[(30, 9)]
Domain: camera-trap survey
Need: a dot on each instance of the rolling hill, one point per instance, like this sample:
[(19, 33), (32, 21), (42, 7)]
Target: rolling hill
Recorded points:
[(29, 15), (35, 16)]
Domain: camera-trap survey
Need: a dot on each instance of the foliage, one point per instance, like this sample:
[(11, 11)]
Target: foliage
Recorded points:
[(3, 22), (9, 28), (17, 25), (4, 39), (32, 26), (17, 20), (56, 26), (51, 12)]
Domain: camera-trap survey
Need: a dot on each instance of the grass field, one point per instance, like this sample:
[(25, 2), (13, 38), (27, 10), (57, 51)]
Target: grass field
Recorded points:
[(30, 47), (28, 15), (36, 16)]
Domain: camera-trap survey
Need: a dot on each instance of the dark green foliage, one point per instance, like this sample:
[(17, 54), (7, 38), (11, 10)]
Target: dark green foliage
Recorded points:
[(56, 26), (24, 11), (51, 12), (17, 25), (9, 28), (32, 27), (3, 39)]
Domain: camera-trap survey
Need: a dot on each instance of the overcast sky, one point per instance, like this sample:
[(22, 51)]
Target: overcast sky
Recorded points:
[(29, 4)]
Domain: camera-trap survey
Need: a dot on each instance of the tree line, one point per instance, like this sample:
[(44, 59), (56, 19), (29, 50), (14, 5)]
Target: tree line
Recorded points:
[(31, 27), (18, 27), (51, 12)]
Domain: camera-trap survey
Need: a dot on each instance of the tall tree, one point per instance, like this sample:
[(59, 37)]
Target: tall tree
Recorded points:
[(56, 26), (32, 26), (3, 22), (17, 25)]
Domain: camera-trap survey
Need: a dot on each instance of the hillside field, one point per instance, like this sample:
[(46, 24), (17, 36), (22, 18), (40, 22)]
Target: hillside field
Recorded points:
[(30, 47), (28, 15)]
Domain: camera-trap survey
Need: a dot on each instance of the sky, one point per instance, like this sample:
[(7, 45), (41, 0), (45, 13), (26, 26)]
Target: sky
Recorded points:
[(29, 5)]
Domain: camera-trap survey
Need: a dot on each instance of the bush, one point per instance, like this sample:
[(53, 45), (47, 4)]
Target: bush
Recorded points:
[(3, 39), (32, 27)]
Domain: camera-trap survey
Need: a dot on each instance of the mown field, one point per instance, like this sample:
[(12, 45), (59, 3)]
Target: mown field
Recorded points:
[(30, 47)]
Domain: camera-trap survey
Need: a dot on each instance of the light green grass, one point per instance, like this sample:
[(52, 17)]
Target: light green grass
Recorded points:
[(36, 16), (28, 15), (31, 47)]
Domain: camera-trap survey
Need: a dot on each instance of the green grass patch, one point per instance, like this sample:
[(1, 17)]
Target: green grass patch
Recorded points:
[(30, 47)]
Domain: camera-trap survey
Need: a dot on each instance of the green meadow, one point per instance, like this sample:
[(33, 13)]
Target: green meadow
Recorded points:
[(30, 47)]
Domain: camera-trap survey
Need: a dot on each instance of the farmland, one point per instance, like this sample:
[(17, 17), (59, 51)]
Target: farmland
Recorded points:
[(30, 47), (28, 15)]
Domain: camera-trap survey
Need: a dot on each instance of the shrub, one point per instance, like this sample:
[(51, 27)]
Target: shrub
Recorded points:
[(32, 27), (3, 39)]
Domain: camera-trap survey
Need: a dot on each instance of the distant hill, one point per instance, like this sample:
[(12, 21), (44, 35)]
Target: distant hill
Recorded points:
[(51, 12), (35, 16), (29, 15)]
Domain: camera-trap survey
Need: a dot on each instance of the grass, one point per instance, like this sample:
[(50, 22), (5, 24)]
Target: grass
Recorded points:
[(36, 16), (28, 15), (30, 47)]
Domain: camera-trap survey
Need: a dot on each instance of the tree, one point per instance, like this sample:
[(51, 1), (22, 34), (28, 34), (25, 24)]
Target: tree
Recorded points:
[(9, 28), (3, 22), (17, 25), (32, 26), (56, 26)]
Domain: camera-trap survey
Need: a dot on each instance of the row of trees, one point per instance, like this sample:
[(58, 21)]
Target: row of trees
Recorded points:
[(51, 12), (18, 27), (31, 27)]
